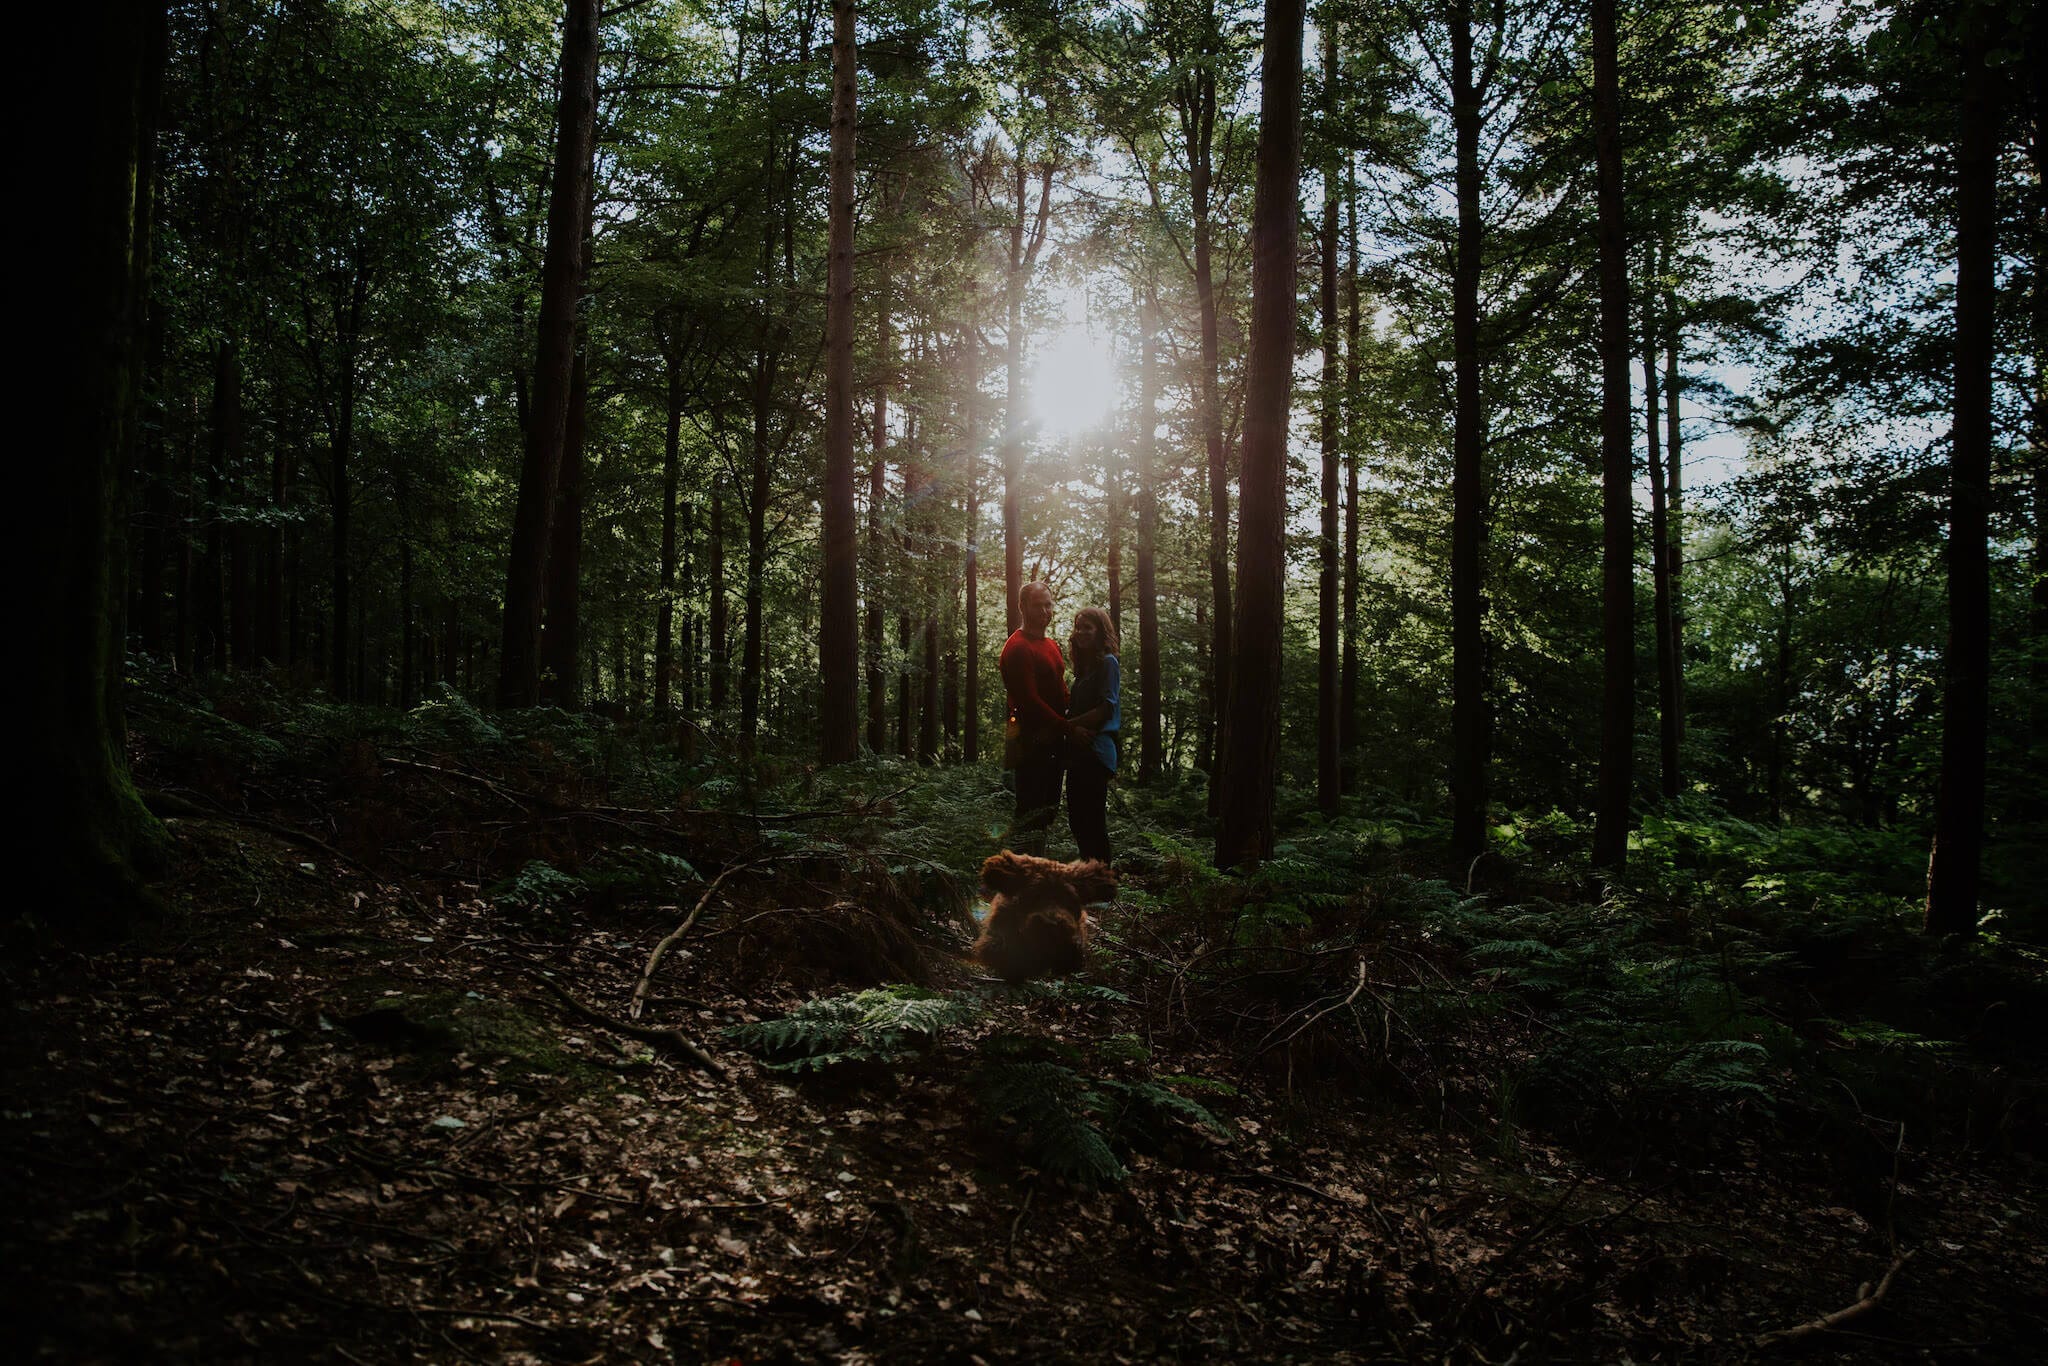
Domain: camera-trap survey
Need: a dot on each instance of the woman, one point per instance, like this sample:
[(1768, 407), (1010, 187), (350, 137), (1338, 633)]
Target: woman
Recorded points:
[(1095, 710)]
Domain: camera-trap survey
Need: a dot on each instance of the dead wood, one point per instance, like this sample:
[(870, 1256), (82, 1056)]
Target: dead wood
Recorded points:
[(1827, 1322), (673, 1038)]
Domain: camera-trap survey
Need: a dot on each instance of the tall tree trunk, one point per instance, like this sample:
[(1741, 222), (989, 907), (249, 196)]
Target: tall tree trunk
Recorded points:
[(1674, 504), (223, 451), (758, 490), (1245, 833), (839, 608), (561, 627), (1024, 248), (408, 694), (970, 735), (688, 643), (1329, 645), (1471, 720), (1954, 869), (905, 692), (719, 625), (270, 645), (1617, 473), (341, 446), (2037, 147), (241, 541), (1113, 530), (671, 476), (1776, 756), (153, 563), (554, 359), (1347, 686), (878, 494), (89, 830), (1660, 550), (1149, 756), (1198, 124)]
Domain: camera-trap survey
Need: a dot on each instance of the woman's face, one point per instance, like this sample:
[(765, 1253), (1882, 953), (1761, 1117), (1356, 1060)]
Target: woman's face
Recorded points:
[(1085, 638)]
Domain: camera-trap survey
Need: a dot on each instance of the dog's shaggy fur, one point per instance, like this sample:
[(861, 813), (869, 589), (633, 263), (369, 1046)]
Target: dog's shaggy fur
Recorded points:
[(1038, 919)]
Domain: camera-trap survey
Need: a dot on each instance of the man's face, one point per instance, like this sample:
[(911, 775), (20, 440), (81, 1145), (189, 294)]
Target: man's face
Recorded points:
[(1037, 609)]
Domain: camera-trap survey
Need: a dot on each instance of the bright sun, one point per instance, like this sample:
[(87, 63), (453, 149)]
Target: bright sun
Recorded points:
[(1075, 384)]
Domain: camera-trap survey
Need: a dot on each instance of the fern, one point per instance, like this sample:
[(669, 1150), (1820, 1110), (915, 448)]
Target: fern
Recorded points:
[(1075, 1125), (882, 1024), (540, 884), (1154, 1102), (1054, 1108)]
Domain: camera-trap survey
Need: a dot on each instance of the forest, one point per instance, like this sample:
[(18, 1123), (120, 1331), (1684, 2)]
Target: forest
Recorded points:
[(521, 737)]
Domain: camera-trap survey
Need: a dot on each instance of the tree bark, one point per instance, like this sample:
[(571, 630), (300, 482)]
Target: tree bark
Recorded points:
[(839, 607), (1660, 553), (1617, 473), (91, 834), (970, 735), (341, 445), (223, 451), (719, 625), (1198, 103), (1674, 502), (554, 359), (671, 477), (1954, 868), (1150, 758), (1329, 644), (878, 492), (1252, 736), (1113, 530), (1024, 248), (561, 627), (1471, 719), (1347, 686)]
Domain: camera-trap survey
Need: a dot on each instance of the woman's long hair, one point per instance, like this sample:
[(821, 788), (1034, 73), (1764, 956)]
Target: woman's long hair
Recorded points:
[(1105, 629)]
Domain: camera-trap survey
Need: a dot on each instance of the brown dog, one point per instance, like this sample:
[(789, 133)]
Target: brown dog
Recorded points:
[(1038, 919)]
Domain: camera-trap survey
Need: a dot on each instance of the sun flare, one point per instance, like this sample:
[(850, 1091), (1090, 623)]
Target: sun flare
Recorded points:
[(1075, 386)]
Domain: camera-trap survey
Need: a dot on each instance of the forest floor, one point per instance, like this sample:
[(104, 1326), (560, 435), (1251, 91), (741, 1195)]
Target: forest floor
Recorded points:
[(350, 1099)]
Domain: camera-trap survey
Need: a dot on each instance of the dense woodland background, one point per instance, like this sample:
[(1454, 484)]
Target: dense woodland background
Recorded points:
[(340, 379), (512, 720)]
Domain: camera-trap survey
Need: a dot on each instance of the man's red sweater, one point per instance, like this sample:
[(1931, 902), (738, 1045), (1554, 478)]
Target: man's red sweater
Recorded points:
[(1035, 673)]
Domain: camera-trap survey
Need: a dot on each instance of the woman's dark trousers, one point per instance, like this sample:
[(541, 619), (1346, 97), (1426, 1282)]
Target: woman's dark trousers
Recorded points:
[(1088, 806)]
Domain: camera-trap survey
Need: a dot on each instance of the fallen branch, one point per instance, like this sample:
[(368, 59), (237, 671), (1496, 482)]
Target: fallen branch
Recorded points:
[(1869, 1301), (504, 794), (163, 803), (674, 1038), (668, 940), (1291, 1036)]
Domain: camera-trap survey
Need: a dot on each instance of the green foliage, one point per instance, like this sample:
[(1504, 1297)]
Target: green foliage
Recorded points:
[(634, 871), (448, 718), (880, 1025), (1074, 1124), (1057, 1113), (539, 885)]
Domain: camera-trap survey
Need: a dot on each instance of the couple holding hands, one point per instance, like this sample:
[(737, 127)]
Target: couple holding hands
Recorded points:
[(1058, 734)]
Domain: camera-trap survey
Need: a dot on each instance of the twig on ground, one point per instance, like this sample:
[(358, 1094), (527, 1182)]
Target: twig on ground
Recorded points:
[(1358, 986), (1268, 1178), (1869, 1300), (674, 1038), (1010, 1254), (668, 940), (506, 794)]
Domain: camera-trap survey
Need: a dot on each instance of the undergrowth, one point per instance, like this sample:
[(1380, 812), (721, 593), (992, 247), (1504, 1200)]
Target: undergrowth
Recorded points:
[(1740, 977)]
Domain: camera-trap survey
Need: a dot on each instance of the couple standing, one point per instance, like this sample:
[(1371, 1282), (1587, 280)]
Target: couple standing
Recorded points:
[(1057, 734)]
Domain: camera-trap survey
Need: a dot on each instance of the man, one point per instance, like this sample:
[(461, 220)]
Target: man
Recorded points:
[(1034, 675)]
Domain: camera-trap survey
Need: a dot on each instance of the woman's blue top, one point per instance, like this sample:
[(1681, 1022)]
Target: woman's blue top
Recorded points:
[(1105, 685)]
